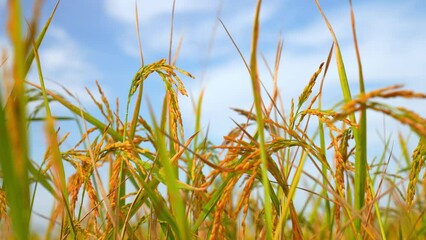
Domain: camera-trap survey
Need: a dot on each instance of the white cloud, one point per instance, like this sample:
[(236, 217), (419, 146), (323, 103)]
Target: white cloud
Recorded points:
[(5, 53), (228, 85), (194, 20), (390, 39), (390, 36), (154, 23), (148, 10), (63, 56), (5, 47), (391, 42), (64, 61)]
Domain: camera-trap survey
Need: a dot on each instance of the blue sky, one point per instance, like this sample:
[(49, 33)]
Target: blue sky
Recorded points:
[(96, 40)]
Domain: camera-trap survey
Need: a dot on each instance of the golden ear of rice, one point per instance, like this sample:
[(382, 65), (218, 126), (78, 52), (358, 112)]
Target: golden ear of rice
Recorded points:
[(3, 213), (171, 81), (308, 89), (418, 158)]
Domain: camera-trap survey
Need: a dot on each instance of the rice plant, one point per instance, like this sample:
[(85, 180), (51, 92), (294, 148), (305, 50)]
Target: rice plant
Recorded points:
[(162, 184)]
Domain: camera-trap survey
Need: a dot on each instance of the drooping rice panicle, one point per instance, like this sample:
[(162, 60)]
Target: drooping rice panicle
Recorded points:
[(418, 160)]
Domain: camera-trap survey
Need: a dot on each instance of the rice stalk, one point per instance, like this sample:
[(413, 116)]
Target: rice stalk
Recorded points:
[(260, 121), (246, 187), (360, 133)]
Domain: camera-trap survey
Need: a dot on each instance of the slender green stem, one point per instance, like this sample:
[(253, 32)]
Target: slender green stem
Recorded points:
[(88, 117), (55, 155), (170, 177), (361, 163), (14, 157), (359, 133), (260, 122), (40, 38)]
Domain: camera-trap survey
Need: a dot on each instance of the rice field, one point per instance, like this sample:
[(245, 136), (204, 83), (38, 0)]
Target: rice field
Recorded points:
[(137, 176)]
